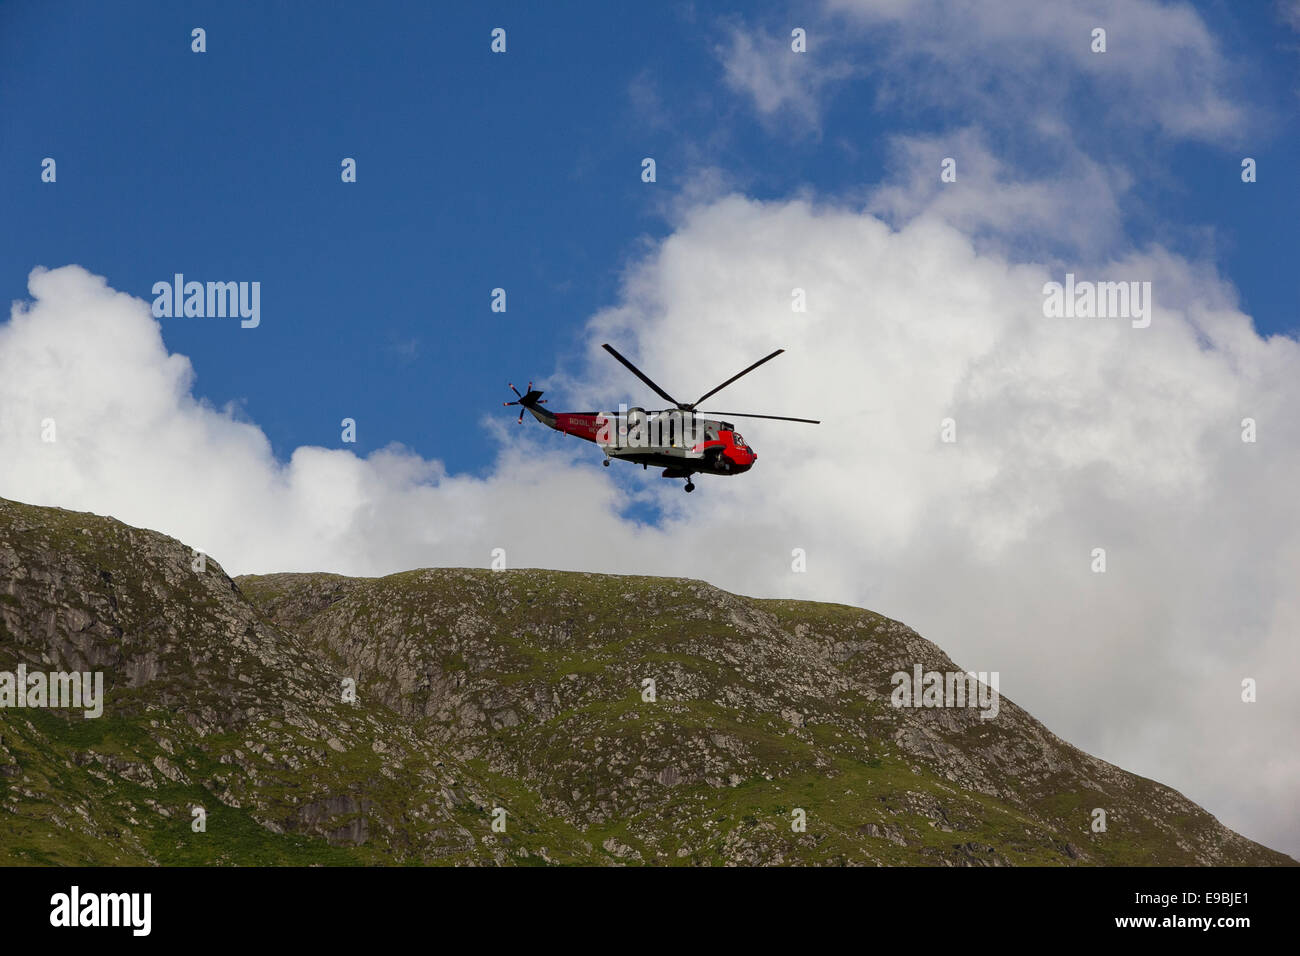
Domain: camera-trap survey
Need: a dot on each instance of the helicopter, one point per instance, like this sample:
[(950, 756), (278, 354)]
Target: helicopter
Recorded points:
[(676, 439)]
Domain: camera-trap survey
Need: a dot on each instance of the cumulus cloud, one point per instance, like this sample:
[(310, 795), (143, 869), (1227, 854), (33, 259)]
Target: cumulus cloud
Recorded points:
[(131, 439), (1072, 434)]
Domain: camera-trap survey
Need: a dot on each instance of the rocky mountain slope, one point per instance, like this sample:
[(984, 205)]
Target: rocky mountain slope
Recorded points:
[(522, 697)]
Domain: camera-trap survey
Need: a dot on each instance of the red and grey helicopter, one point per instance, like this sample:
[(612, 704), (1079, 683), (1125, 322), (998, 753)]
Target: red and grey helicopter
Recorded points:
[(675, 439)]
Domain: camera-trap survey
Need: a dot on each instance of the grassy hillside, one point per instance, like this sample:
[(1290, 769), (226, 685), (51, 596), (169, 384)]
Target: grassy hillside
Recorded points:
[(519, 690)]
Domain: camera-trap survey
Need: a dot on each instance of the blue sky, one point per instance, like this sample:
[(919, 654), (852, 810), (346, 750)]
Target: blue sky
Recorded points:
[(776, 170), (477, 171)]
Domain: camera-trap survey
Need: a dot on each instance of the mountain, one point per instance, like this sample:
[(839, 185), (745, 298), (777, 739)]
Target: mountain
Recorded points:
[(520, 690)]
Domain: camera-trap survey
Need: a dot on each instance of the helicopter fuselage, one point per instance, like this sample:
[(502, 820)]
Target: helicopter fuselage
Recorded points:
[(681, 443)]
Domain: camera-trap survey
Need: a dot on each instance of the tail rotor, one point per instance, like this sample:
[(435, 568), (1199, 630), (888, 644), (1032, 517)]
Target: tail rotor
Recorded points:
[(526, 401)]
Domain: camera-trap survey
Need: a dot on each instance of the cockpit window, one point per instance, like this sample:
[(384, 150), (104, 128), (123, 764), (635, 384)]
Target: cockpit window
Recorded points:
[(740, 442)]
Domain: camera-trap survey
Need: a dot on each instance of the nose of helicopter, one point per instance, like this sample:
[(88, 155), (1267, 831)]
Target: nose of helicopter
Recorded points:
[(745, 459)]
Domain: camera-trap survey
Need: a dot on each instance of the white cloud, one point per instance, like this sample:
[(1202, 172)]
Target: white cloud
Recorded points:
[(1078, 207), (1019, 60), (131, 440), (785, 87), (1025, 58)]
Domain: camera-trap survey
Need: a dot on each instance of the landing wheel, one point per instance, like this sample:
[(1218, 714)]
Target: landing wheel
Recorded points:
[(605, 462), (689, 487), (718, 462)]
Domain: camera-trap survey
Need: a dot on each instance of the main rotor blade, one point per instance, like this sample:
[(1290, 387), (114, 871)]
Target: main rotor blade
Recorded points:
[(778, 418), (643, 377), (734, 377)]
